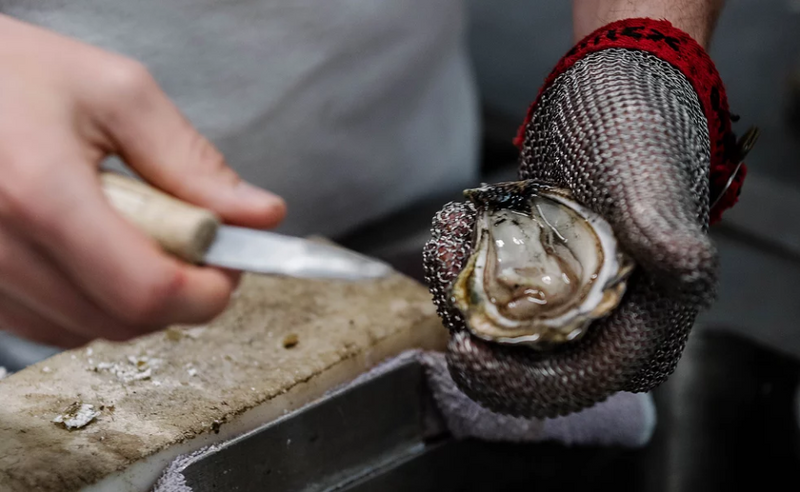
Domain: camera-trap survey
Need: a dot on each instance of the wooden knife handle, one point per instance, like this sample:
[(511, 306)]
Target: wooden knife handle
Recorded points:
[(182, 229)]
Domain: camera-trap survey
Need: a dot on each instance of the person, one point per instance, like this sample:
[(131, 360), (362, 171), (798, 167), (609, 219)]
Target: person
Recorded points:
[(347, 109)]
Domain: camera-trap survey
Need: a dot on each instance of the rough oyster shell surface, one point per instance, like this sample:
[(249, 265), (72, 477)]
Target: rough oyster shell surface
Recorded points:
[(542, 269)]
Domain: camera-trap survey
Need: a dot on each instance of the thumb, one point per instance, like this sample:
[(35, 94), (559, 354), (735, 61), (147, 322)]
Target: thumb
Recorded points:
[(152, 136), (625, 131), (657, 222)]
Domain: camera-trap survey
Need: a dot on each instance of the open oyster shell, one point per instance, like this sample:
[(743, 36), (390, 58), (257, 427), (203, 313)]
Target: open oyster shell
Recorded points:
[(543, 266)]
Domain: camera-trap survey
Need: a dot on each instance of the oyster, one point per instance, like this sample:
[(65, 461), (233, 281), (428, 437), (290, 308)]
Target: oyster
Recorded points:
[(542, 269)]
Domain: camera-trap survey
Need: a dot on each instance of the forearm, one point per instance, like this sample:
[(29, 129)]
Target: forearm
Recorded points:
[(695, 17)]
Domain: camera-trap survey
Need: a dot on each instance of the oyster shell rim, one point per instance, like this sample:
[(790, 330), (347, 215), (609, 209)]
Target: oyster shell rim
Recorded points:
[(569, 326)]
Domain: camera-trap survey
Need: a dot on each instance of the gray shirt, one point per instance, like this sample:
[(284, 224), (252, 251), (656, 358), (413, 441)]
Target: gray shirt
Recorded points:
[(348, 108)]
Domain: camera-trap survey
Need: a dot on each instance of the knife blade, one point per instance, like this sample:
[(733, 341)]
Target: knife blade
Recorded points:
[(196, 235), (267, 252)]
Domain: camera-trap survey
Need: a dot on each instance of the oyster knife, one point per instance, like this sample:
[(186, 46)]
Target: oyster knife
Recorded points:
[(196, 235)]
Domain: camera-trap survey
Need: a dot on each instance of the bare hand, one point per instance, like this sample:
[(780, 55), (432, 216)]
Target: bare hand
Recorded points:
[(71, 269)]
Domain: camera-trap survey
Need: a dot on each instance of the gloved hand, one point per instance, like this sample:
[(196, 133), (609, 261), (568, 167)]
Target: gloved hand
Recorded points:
[(627, 132)]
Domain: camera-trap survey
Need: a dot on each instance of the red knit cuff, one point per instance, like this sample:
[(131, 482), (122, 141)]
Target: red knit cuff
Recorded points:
[(674, 46)]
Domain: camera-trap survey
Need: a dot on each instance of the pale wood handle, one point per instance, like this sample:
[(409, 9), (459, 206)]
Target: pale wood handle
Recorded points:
[(180, 228)]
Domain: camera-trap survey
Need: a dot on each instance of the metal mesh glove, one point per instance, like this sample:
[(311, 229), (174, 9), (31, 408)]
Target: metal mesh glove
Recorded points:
[(625, 132)]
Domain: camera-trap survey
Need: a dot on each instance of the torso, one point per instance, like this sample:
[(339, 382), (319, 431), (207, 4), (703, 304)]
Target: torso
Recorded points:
[(347, 108)]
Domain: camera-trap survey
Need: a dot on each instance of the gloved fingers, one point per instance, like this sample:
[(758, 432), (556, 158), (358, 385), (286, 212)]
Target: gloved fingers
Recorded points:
[(451, 238), (624, 352), (446, 253), (523, 382), (624, 419)]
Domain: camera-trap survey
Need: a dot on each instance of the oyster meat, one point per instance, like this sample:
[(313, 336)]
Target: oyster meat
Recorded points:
[(542, 269)]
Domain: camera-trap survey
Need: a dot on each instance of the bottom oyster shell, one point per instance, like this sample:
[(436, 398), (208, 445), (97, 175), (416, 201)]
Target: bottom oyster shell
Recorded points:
[(543, 266)]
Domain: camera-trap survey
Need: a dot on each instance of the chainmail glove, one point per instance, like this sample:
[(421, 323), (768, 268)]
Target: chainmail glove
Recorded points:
[(627, 134)]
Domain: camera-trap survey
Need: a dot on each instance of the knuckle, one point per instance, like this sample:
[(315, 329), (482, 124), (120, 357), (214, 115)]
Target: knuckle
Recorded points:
[(128, 83), (128, 76)]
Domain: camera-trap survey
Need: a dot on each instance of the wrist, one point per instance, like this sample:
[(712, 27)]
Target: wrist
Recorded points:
[(697, 18)]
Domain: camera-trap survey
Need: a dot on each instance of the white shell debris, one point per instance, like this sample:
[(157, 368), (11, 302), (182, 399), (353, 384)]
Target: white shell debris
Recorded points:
[(196, 332), (136, 368), (76, 416), (175, 333), (3, 372)]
